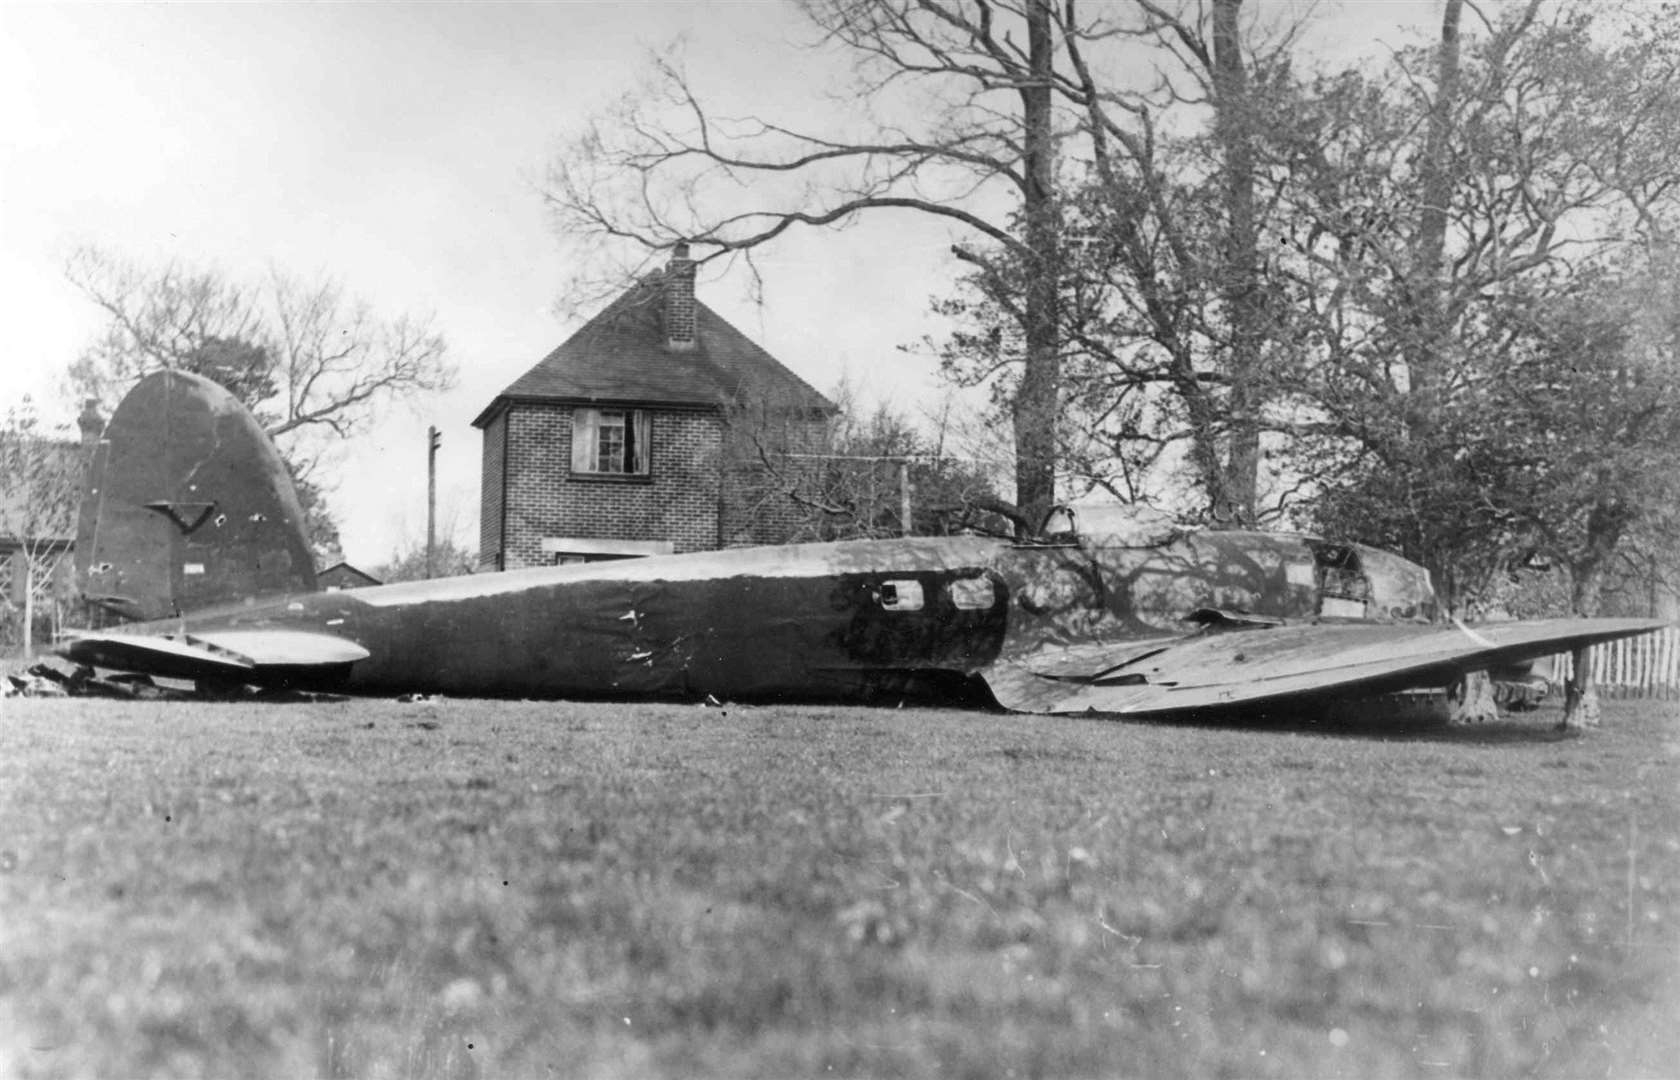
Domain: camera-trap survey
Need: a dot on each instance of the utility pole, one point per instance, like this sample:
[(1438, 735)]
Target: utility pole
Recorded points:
[(433, 438), (904, 521)]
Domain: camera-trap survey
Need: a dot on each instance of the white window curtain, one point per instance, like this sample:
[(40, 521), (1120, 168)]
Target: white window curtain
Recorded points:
[(639, 442), (586, 423)]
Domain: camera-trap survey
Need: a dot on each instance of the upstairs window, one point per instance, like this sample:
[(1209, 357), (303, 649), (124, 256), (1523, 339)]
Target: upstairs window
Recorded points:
[(610, 442)]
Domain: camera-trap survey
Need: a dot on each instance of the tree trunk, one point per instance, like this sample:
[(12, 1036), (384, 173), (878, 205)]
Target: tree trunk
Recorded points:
[(1580, 696), (1434, 195), (28, 605), (1586, 586), (1038, 401), (1240, 278), (1436, 174), (1423, 343)]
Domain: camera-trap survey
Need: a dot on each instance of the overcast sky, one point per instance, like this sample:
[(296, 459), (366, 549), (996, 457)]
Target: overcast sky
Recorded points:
[(399, 148)]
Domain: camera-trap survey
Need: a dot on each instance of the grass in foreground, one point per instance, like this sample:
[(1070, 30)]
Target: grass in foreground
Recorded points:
[(510, 889)]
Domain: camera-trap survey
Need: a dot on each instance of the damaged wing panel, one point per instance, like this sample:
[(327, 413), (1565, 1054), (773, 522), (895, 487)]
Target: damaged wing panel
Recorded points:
[(1247, 667)]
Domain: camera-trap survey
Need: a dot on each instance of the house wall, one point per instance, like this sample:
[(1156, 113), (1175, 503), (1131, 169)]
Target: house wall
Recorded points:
[(490, 494), (678, 502)]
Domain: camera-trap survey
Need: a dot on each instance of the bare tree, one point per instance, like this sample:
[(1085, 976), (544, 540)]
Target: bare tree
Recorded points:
[(312, 363), (1168, 321), (304, 356), (976, 108)]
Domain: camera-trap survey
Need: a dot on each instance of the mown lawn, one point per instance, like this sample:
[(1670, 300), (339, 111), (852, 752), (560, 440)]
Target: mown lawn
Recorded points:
[(504, 889)]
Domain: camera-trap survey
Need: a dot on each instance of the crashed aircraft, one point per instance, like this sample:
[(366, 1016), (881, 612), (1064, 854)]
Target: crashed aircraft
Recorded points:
[(190, 530)]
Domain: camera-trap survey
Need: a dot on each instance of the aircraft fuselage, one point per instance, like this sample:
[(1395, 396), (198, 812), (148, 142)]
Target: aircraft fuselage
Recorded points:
[(812, 621)]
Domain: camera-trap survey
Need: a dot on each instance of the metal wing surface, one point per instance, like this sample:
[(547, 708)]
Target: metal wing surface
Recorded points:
[(1237, 668), (219, 654)]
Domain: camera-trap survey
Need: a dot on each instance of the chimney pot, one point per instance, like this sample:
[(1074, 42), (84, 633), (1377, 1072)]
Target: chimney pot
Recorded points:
[(90, 422)]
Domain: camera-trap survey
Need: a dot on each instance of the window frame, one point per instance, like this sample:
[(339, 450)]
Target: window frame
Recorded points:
[(634, 452)]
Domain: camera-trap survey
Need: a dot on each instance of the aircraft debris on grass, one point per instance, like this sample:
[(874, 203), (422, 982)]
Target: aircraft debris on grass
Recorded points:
[(190, 529)]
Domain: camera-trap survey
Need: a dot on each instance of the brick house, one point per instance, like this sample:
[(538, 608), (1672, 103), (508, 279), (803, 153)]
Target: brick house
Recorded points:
[(643, 434)]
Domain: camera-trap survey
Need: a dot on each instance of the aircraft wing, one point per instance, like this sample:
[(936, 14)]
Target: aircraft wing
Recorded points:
[(233, 655), (1234, 668)]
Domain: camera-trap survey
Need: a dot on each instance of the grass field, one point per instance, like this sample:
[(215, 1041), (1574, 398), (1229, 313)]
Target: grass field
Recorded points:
[(457, 889)]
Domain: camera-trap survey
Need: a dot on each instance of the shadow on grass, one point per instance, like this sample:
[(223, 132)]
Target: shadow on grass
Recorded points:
[(1340, 720)]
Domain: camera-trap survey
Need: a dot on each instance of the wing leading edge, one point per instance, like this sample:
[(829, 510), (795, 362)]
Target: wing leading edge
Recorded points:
[(1234, 668)]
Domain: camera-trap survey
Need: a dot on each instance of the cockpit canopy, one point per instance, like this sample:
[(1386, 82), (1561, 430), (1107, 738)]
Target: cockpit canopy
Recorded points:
[(1394, 588), (1167, 569)]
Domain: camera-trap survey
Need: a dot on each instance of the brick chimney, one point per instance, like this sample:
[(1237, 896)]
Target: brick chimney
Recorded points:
[(678, 311), (91, 423)]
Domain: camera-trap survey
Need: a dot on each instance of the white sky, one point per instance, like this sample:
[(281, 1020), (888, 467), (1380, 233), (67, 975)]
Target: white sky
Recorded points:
[(398, 147)]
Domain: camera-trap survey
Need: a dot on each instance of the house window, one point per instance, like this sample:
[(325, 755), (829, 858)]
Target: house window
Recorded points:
[(566, 550), (573, 558), (610, 442)]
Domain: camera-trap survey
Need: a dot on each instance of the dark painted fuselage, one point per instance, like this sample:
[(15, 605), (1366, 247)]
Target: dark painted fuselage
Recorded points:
[(814, 621)]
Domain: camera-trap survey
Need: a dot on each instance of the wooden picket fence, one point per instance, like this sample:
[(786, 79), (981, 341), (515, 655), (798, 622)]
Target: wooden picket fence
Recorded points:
[(1647, 666)]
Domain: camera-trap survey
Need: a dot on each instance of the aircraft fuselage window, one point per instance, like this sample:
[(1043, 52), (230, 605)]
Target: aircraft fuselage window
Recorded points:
[(1343, 587), (901, 595)]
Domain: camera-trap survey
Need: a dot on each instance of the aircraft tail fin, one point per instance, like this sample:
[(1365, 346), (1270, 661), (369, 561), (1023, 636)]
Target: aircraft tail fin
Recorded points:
[(187, 505)]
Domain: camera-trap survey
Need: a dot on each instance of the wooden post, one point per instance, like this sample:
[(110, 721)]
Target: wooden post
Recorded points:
[(904, 520), (433, 438)]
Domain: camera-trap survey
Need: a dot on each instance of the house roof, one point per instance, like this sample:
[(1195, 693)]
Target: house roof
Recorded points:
[(621, 356)]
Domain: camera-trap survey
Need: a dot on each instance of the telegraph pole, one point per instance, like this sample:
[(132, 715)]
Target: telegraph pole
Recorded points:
[(433, 438), (904, 519)]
